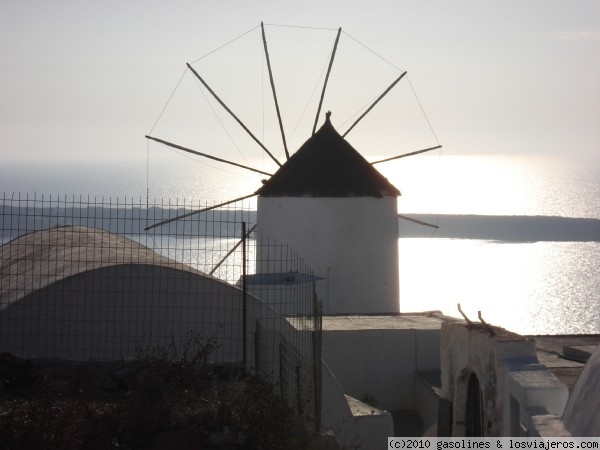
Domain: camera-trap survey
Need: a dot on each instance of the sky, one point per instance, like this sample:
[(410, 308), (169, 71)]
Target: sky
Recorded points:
[(84, 81)]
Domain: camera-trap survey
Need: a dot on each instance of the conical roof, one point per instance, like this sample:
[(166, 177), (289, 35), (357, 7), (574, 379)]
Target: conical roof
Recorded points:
[(327, 166)]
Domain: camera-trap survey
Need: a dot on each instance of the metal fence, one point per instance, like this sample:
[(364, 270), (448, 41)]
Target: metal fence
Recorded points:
[(85, 279)]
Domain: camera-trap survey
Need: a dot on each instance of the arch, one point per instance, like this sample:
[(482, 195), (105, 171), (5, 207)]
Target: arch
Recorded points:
[(473, 408), (467, 407)]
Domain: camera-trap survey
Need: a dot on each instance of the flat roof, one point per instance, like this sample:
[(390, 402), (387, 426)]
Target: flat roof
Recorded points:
[(357, 322), (556, 352)]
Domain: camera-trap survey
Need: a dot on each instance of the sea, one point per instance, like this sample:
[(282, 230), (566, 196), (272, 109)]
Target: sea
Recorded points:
[(518, 237)]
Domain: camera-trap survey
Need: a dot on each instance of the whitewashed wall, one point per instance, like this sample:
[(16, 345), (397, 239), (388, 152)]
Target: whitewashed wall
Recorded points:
[(119, 311), (381, 363), (351, 242)]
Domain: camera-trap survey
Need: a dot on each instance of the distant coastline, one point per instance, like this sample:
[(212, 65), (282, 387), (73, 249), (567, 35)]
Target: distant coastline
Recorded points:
[(133, 218), (503, 228)]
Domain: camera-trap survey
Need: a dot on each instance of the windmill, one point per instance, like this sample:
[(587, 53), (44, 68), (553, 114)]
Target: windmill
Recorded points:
[(325, 200)]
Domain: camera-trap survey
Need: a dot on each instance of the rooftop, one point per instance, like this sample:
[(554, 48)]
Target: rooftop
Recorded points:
[(565, 355), (327, 166), (33, 261), (431, 320)]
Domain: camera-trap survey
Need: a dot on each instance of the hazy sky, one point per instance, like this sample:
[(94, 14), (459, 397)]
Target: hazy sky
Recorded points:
[(85, 80)]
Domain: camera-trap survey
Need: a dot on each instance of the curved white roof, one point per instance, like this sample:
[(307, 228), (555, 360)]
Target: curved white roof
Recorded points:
[(33, 261)]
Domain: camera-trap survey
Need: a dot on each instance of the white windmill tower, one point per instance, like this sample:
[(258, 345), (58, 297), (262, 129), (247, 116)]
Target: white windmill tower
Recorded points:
[(341, 214)]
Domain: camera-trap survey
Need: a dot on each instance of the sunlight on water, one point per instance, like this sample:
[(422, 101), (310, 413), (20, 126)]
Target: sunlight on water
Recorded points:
[(536, 288), (497, 185), (202, 254), (194, 180), (530, 288)]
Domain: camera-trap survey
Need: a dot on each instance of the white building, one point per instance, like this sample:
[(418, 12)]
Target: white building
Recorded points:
[(330, 204)]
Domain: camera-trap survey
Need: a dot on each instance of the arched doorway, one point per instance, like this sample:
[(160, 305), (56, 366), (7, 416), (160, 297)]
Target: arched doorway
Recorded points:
[(474, 410)]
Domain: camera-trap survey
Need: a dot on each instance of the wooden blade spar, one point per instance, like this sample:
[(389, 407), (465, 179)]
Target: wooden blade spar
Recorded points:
[(337, 39), (232, 114), (404, 155), (183, 216), (214, 269), (375, 102), (419, 222), (287, 154), (189, 150)]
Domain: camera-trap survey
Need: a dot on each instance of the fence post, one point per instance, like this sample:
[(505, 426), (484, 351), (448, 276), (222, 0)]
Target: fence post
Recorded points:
[(244, 293), (282, 370), (257, 354), (316, 356)]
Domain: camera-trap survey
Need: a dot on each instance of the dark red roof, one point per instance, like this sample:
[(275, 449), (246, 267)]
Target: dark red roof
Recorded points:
[(327, 166)]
